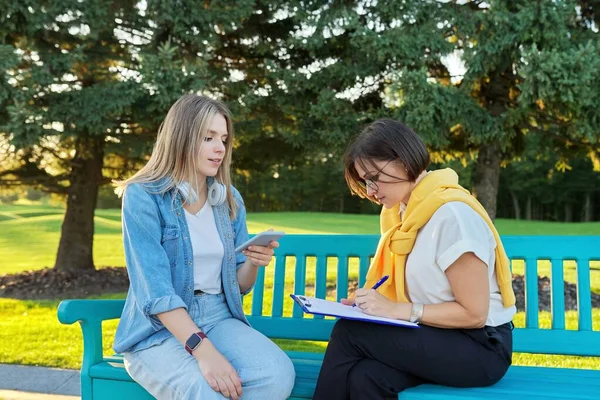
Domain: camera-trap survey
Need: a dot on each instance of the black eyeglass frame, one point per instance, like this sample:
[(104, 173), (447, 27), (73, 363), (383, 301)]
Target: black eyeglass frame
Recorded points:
[(372, 181)]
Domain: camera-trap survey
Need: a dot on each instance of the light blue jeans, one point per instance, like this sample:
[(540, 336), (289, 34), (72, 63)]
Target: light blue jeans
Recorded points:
[(167, 371)]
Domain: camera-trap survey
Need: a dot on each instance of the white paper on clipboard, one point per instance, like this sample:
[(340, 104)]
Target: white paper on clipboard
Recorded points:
[(316, 306)]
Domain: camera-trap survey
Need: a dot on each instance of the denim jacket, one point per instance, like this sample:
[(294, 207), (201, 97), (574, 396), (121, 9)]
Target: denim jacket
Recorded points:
[(158, 254)]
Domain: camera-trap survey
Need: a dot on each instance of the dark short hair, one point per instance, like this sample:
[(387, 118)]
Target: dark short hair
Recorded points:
[(385, 140)]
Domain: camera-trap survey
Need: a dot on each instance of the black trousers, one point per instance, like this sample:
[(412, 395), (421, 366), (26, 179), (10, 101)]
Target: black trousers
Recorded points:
[(373, 361)]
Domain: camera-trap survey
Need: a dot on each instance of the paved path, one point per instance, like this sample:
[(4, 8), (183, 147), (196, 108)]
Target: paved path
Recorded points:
[(20, 382)]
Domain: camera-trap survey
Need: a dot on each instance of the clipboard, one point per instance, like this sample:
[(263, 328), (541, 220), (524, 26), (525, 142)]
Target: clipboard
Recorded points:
[(312, 305)]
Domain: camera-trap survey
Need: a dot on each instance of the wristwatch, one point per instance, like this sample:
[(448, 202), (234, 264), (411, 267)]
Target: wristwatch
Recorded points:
[(416, 312), (194, 341)]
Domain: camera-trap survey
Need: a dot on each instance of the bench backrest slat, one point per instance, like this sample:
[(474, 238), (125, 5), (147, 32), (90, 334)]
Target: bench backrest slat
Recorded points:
[(364, 267), (531, 293), (332, 261), (553, 247), (294, 328), (342, 277), (557, 294), (556, 341), (299, 283), (321, 280), (258, 292), (584, 296), (278, 287)]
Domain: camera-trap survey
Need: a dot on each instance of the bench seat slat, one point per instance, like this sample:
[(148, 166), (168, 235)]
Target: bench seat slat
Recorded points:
[(119, 390), (456, 394), (530, 382), (113, 367), (302, 355), (511, 386)]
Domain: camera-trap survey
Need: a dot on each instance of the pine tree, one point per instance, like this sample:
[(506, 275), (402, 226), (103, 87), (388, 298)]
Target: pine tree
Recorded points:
[(83, 87), (530, 68)]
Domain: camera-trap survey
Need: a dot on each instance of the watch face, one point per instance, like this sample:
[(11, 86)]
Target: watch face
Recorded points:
[(194, 341)]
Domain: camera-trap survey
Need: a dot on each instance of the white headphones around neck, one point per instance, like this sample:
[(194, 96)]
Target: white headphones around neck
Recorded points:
[(217, 193)]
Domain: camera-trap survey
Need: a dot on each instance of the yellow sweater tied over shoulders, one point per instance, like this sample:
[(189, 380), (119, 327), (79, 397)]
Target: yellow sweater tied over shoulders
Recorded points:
[(398, 237)]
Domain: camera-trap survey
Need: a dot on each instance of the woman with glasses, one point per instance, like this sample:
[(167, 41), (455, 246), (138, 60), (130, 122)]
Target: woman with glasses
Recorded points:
[(447, 271)]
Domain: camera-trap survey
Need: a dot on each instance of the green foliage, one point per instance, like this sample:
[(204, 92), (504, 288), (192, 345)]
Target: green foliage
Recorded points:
[(73, 69), (530, 68), (301, 78), (85, 86), (561, 88)]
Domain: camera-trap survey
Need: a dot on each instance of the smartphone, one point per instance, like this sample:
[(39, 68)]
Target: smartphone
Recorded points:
[(261, 239)]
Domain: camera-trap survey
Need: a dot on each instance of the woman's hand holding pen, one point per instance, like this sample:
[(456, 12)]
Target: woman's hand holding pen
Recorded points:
[(218, 371), (374, 303)]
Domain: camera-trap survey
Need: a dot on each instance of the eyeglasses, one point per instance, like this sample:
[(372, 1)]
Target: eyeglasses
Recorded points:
[(371, 183)]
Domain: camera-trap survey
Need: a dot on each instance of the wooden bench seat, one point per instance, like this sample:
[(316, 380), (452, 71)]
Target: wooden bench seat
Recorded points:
[(519, 382)]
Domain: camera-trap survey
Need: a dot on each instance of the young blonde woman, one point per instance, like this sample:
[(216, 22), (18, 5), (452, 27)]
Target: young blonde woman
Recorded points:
[(183, 331), (447, 270)]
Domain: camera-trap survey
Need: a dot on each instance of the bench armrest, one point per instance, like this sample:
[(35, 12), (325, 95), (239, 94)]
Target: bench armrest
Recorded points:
[(90, 314), (71, 311)]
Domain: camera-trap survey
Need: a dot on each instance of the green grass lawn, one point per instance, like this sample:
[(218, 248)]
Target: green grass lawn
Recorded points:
[(29, 234), (31, 334)]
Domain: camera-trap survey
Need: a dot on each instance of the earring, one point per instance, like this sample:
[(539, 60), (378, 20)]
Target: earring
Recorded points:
[(217, 194)]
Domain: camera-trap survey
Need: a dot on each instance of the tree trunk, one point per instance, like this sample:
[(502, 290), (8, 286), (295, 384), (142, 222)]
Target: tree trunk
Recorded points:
[(516, 207), (77, 234), (528, 209), (587, 208), (568, 212), (487, 177)]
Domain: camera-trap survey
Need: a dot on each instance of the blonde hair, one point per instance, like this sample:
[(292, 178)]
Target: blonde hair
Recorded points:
[(178, 143)]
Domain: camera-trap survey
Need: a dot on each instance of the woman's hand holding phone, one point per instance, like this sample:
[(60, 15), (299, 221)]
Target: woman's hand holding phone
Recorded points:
[(259, 250)]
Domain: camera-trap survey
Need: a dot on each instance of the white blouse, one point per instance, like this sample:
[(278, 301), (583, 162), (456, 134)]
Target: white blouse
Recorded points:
[(453, 230), (207, 249)]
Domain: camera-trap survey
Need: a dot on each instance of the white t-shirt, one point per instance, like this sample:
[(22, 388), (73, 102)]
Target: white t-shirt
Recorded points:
[(453, 230), (207, 249)]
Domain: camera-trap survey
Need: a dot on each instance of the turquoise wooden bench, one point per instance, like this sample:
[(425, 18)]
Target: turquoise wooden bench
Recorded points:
[(341, 256)]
